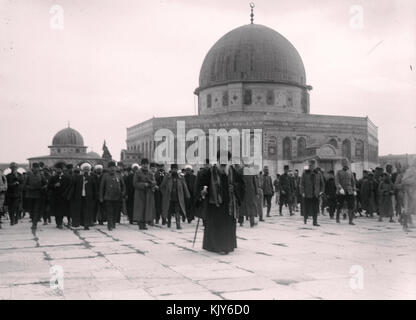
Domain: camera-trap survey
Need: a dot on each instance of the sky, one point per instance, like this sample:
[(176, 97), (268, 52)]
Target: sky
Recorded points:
[(115, 63)]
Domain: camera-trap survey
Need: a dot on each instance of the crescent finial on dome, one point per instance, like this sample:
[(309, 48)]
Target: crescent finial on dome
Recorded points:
[(252, 14)]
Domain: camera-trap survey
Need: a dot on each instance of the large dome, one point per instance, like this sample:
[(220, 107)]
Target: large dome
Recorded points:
[(252, 53), (68, 137)]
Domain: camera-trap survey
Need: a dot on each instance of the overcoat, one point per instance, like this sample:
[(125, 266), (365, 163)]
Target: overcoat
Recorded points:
[(367, 195), (144, 200), (249, 203), (166, 189), (75, 197)]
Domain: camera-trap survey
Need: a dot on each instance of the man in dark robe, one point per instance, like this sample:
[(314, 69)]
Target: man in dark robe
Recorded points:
[(69, 174), (190, 179), (312, 187), (45, 197), (174, 192), (346, 190), (287, 189), (200, 204), (144, 200), (249, 204), (112, 190), (367, 190), (58, 186), (99, 214), (159, 175), (223, 186), (13, 193), (128, 181), (385, 193), (331, 194), (268, 190), (82, 195), (33, 186)]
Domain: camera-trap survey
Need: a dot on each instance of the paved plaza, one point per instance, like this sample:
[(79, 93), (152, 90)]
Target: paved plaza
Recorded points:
[(279, 259)]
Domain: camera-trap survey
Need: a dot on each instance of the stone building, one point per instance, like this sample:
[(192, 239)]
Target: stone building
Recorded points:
[(404, 159), (254, 78), (68, 146)]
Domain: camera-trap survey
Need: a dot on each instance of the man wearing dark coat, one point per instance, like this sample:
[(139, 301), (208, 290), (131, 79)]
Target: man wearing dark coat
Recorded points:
[(13, 193), (346, 190), (33, 185), (331, 193), (128, 181), (287, 190), (200, 204), (159, 175), (174, 192), (367, 193), (190, 179), (112, 190), (223, 186), (45, 197), (249, 204), (82, 194), (99, 214), (385, 192), (267, 190), (312, 187), (144, 200), (58, 186), (69, 174)]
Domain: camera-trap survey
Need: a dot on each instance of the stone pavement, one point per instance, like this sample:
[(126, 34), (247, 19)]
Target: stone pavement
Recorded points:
[(279, 259)]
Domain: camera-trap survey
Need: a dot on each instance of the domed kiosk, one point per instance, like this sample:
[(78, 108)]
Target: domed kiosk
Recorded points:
[(254, 78), (67, 146)]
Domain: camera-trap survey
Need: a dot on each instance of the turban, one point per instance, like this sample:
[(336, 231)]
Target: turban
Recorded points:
[(135, 165), (188, 166), (85, 165), (98, 167), (21, 170)]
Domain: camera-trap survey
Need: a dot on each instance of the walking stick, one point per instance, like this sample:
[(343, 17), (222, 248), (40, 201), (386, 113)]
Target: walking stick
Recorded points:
[(197, 224), (196, 231)]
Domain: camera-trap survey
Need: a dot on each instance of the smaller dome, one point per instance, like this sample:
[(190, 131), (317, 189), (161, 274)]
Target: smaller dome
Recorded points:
[(68, 137), (94, 155)]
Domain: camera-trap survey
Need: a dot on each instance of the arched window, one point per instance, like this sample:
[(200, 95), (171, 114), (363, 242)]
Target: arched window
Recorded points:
[(225, 99), (346, 149), (272, 147), (287, 149), (247, 97), (301, 147), (209, 102), (270, 98), (333, 142), (359, 150)]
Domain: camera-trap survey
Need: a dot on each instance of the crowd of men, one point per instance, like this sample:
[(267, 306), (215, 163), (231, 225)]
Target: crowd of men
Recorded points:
[(151, 194)]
